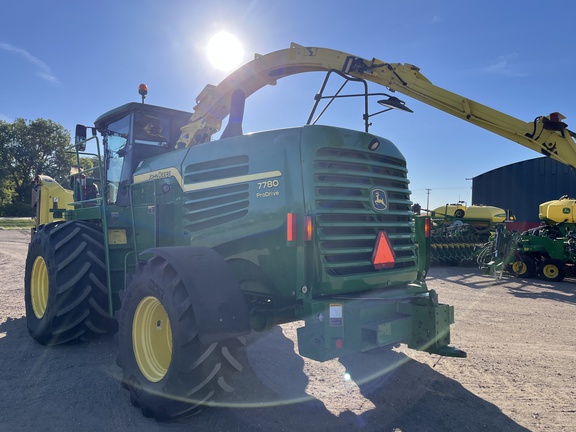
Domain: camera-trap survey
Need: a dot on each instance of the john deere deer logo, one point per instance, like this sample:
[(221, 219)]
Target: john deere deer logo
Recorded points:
[(379, 199)]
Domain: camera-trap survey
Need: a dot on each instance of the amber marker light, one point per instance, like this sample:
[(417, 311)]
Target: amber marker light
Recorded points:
[(427, 227), (308, 228), (143, 91)]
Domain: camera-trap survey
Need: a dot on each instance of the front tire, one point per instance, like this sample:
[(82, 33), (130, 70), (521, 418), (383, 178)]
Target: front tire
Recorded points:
[(168, 371), (64, 284)]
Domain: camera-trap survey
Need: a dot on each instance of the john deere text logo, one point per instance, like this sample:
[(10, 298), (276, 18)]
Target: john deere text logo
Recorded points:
[(379, 199)]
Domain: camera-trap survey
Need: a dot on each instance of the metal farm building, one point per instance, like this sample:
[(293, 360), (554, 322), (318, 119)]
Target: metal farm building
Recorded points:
[(523, 186)]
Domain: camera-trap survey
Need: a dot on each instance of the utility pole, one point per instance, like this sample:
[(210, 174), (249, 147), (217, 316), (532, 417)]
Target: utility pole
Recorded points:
[(428, 201)]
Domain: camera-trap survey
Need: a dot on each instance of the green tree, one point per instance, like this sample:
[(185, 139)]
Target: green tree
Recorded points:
[(29, 148), (6, 183), (89, 162)]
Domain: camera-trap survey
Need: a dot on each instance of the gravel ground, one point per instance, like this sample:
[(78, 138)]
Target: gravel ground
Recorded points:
[(520, 372)]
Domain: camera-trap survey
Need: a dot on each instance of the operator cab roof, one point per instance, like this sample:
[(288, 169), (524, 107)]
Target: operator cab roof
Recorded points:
[(115, 114)]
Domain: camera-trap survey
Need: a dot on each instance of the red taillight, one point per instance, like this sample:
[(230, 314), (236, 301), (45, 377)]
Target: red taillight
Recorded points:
[(290, 227), (308, 228), (383, 255), (427, 227)]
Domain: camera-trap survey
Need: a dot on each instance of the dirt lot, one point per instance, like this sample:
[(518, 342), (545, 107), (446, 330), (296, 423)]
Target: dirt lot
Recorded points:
[(520, 373)]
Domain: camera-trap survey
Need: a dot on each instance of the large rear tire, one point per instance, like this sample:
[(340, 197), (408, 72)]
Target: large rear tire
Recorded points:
[(64, 284), (168, 371)]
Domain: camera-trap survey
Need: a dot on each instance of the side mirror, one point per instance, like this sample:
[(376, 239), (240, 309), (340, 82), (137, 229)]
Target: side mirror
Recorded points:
[(80, 137)]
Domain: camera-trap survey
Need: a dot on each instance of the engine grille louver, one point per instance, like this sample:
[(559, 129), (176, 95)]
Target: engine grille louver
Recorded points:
[(347, 225), (208, 208)]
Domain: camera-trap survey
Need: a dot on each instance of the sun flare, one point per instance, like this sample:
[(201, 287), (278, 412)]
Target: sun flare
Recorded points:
[(224, 51)]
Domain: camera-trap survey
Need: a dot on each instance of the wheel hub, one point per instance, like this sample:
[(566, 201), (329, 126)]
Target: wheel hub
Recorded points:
[(152, 339), (550, 271), (519, 267), (39, 287)]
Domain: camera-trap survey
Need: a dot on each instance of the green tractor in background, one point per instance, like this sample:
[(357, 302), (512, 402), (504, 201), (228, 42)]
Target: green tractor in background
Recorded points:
[(549, 251)]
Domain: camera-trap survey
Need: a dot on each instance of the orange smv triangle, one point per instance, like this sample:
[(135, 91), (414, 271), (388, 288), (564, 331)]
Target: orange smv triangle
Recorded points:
[(383, 255)]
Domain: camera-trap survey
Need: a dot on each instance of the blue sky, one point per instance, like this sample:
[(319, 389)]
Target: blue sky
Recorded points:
[(72, 60)]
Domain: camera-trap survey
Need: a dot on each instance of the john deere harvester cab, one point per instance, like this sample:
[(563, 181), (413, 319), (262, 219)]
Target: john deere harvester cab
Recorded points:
[(131, 134)]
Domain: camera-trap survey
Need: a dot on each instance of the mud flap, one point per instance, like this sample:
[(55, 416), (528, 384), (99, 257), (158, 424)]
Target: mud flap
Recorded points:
[(218, 303)]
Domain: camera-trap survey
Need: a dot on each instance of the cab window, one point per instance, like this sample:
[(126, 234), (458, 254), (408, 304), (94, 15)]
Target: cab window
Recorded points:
[(117, 139), (151, 130)]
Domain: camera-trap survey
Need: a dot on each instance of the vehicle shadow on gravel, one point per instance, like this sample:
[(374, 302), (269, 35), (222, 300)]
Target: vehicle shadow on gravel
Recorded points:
[(474, 278), (532, 288), (564, 292), (414, 397), (406, 395), (77, 388)]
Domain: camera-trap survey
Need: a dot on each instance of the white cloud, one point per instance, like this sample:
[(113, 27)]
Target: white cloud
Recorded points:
[(42, 69), (503, 66), (436, 19)]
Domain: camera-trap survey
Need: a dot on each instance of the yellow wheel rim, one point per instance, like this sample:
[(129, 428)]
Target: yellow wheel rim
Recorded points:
[(152, 339), (39, 287), (519, 267), (550, 271)]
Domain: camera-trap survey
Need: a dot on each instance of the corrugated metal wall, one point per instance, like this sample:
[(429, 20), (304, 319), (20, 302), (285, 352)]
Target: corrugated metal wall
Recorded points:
[(523, 186)]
